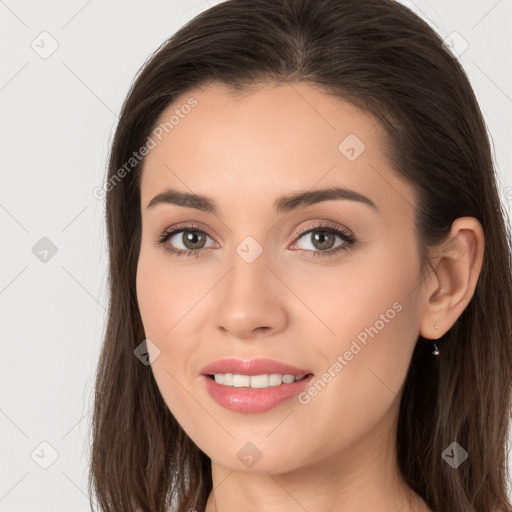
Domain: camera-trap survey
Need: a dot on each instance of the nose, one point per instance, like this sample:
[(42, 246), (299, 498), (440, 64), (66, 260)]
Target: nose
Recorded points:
[(250, 300)]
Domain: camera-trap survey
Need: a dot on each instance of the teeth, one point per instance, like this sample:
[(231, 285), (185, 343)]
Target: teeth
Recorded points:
[(259, 381), (255, 381), (275, 379), (241, 381)]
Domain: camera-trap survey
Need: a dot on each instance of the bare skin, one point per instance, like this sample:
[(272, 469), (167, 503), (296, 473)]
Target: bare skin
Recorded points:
[(335, 450)]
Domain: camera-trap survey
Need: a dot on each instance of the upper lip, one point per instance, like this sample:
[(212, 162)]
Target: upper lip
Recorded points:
[(251, 367)]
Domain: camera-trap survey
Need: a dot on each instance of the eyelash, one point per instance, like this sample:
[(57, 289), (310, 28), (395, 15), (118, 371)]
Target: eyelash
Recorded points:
[(348, 239)]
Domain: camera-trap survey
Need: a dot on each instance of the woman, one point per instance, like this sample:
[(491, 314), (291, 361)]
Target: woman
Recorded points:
[(309, 272)]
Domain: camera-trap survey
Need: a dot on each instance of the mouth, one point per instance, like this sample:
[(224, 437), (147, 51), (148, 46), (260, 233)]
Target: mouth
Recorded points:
[(258, 393), (260, 381), (266, 372), (253, 385)]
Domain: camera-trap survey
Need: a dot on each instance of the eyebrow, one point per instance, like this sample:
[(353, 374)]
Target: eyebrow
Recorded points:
[(283, 204)]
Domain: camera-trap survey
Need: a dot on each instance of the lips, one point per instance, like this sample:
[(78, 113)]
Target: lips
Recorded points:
[(252, 367), (243, 399)]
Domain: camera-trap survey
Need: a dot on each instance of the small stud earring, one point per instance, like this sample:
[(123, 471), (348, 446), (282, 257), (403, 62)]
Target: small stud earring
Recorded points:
[(435, 326)]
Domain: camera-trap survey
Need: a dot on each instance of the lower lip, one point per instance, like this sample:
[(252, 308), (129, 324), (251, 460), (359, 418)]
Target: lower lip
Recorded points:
[(252, 400)]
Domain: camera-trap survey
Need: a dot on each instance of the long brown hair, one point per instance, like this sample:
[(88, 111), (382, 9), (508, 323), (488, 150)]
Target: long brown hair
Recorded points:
[(383, 58)]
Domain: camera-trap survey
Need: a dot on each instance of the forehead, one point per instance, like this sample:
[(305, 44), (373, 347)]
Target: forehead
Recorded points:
[(269, 141)]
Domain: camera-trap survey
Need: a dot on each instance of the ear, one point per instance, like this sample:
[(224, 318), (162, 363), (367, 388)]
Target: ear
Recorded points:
[(452, 283)]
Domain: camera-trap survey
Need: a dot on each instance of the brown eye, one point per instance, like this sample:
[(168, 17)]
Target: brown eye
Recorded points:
[(323, 240), (183, 241), (193, 239)]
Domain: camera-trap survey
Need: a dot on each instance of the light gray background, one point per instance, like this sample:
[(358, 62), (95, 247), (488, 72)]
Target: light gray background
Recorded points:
[(59, 115)]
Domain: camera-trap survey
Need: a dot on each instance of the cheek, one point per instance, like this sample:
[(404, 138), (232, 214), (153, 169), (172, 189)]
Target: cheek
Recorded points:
[(375, 318), (165, 296), (372, 298), (166, 299)]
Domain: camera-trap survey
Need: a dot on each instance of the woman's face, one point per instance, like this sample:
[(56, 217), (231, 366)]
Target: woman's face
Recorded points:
[(329, 285)]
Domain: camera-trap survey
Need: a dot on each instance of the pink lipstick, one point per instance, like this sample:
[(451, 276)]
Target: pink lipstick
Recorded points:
[(254, 385)]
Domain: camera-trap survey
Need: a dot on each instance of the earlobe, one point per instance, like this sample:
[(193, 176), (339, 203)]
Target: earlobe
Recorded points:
[(454, 278)]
